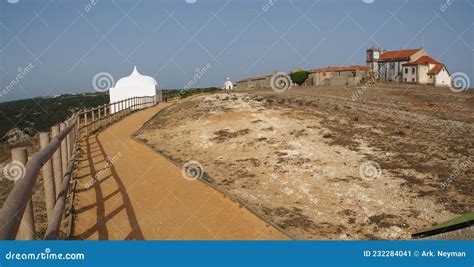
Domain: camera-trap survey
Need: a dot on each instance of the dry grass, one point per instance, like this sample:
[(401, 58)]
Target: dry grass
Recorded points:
[(39, 207)]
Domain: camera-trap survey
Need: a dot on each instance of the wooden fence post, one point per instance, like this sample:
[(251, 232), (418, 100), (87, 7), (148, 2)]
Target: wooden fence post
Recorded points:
[(105, 115), (64, 157), (93, 120), (115, 111), (71, 136), (100, 116), (27, 225), (57, 163), (78, 126), (85, 122), (111, 113), (48, 179), (68, 142)]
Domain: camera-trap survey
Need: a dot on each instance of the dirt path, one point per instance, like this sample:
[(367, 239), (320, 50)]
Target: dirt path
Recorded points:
[(141, 195)]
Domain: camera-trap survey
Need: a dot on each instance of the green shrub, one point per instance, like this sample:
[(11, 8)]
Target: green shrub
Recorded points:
[(299, 77)]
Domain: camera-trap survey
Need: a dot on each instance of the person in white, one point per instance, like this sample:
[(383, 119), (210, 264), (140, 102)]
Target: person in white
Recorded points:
[(228, 86)]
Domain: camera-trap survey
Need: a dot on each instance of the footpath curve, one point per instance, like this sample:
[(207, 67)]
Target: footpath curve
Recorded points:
[(139, 194)]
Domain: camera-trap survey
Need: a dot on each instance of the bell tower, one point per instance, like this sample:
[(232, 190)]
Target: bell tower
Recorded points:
[(372, 59)]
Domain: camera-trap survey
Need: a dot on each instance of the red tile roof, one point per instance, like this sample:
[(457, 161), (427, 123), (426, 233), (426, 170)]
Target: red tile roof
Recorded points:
[(334, 68), (256, 78), (436, 69), (398, 54), (423, 60), (259, 78)]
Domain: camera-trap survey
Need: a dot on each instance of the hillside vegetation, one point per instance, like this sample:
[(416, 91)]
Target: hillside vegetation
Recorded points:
[(39, 114), (27, 117)]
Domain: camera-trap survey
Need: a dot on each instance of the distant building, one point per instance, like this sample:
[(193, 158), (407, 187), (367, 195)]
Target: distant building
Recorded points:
[(255, 82), (228, 85), (426, 70), (350, 75), (298, 69), (134, 85), (410, 66), (391, 62)]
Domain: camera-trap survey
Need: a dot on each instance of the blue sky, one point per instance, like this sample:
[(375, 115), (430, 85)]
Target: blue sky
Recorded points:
[(68, 42)]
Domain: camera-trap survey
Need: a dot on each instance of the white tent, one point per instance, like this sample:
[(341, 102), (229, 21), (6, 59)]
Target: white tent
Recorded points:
[(134, 85)]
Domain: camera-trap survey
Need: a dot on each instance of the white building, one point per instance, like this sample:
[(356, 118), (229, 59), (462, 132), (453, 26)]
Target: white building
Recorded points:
[(426, 70), (134, 85), (409, 66), (228, 85), (389, 64)]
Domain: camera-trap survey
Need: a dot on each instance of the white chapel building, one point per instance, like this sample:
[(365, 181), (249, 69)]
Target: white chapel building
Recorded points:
[(228, 85), (134, 85), (407, 66)]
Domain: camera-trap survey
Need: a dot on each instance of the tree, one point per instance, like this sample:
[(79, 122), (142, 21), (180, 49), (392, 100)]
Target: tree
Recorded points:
[(299, 77)]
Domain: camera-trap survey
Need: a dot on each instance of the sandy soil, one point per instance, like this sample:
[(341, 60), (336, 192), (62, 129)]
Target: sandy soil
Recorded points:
[(138, 194), (323, 163)]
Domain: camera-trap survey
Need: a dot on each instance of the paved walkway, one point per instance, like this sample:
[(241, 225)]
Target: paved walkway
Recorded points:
[(141, 195)]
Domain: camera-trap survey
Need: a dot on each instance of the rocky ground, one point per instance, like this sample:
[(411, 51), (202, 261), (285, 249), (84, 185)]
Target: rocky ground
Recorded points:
[(332, 162)]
